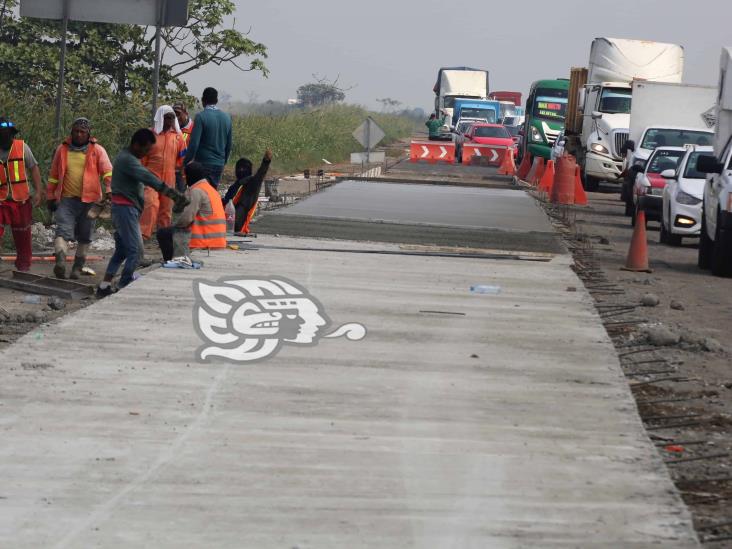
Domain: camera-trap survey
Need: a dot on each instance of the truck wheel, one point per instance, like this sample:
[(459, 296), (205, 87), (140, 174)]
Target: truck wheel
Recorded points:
[(591, 183), (722, 258), (706, 246)]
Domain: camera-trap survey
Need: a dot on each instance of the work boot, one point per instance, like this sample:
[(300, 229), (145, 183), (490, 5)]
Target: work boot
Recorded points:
[(61, 248), (79, 261)]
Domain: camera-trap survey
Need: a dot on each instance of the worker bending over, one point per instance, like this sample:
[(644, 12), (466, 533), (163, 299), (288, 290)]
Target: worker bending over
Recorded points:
[(201, 225), (244, 194), (78, 166)]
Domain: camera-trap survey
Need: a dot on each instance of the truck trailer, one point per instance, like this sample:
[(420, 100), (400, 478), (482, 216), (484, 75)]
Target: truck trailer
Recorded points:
[(600, 97), (459, 82)]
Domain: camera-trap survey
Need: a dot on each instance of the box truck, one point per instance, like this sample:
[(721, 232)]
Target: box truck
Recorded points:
[(456, 82)]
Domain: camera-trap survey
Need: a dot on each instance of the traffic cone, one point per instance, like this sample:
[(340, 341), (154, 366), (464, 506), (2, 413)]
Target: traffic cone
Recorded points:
[(508, 166), (580, 196), (524, 167), (547, 180), (637, 260), (563, 187), (532, 171), (539, 172)]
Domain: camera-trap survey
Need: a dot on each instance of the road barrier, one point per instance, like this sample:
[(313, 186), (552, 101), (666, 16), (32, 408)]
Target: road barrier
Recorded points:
[(524, 168), (562, 191), (508, 166), (580, 197), (547, 179), (637, 260), (477, 153), (432, 151)]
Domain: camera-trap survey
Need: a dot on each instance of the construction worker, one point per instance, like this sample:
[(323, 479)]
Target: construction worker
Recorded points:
[(244, 194), (434, 124), (129, 177), (210, 142), (161, 161), (202, 224), (186, 127), (78, 165), (17, 197)]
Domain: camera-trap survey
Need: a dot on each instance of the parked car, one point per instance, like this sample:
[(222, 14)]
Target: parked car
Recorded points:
[(491, 134), (458, 137), (558, 147), (682, 198), (650, 183)]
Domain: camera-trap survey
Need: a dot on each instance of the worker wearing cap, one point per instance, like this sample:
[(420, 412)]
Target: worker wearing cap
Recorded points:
[(186, 127), (161, 161), (17, 197), (81, 176)]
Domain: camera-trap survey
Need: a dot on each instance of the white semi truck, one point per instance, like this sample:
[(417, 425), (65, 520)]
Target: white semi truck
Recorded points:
[(598, 113), (459, 82), (665, 114), (715, 242)]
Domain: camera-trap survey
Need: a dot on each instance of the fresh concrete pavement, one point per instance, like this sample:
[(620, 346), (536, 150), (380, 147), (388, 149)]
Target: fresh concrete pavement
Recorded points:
[(461, 420)]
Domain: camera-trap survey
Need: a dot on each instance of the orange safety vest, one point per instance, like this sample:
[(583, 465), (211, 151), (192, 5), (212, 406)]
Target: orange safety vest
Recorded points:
[(13, 179), (209, 232), (186, 135)]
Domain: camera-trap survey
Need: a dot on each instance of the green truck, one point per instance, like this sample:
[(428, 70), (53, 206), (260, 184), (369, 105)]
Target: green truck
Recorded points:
[(546, 107)]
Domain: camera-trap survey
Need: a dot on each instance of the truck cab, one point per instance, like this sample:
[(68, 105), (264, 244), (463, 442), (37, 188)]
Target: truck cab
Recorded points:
[(476, 110), (546, 107), (605, 131)]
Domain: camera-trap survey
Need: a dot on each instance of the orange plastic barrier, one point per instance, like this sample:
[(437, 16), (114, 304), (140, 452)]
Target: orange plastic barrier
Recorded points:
[(432, 151), (563, 187), (637, 260), (547, 180)]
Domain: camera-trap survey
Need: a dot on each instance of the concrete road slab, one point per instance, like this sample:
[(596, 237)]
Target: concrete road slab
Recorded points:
[(491, 421)]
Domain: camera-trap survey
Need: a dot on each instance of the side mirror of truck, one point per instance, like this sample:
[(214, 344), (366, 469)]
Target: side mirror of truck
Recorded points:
[(596, 115), (708, 164), (668, 174), (629, 145)]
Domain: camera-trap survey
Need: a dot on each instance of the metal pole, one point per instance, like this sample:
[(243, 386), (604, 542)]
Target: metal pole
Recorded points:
[(62, 68), (368, 140), (156, 71)]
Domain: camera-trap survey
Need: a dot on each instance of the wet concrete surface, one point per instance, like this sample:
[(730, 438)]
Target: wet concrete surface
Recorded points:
[(418, 214)]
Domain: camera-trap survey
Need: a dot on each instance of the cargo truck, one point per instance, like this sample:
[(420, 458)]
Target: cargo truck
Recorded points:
[(665, 114), (546, 106), (510, 96), (715, 241), (600, 96), (456, 82)]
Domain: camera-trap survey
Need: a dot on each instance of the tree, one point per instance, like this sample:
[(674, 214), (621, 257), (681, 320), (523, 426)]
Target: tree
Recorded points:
[(321, 92), (105, 60)]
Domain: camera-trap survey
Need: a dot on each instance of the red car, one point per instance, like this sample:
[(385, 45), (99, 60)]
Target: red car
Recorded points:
[(491, 134)]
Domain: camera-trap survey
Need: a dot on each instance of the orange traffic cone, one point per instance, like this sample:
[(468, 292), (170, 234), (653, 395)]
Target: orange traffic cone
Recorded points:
[(524, 167), (637, 260), (539, 172), (508, 166), (563, 187), (580, 197), (547, 180), (534, 168)]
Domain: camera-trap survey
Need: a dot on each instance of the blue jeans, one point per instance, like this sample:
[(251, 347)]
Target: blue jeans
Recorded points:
[(214, 174), (127, 240)]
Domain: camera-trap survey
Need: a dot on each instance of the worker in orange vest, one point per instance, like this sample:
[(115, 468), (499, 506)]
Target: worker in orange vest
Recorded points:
[(186, 127), (161, 161), (201, 225), (17, 198), (78, 166)]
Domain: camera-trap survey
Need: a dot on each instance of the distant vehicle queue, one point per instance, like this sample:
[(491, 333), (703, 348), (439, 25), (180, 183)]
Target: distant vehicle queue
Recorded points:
[(629, 120)]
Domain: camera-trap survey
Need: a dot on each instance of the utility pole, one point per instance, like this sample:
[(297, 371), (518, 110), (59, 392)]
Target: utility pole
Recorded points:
[(156, 73), (62, 68)]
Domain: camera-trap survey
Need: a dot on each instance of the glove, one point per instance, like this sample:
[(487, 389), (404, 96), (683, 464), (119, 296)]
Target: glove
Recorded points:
[(52, 205), (180, 201)]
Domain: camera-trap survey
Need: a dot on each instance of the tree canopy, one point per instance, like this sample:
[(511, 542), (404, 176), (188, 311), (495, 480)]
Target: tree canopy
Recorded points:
[(117, 60)]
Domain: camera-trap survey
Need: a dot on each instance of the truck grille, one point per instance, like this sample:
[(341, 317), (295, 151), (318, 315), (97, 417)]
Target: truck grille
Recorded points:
[(620, 138)]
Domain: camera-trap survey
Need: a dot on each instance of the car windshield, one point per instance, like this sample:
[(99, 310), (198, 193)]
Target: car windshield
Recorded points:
[(691, 172), (488, 115), (491, 131), (615, 101), (664, 160), (513, 130), (666, 137), (550, 104)]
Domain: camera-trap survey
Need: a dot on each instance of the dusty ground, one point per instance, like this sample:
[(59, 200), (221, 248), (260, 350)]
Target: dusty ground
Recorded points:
[(683, 386)]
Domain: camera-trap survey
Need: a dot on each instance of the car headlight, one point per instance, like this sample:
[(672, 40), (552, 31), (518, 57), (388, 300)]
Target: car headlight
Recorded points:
[(687, 199), (596, 147), (536, 135)]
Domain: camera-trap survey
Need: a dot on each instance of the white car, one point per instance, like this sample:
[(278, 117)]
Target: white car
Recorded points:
[(682, 198)]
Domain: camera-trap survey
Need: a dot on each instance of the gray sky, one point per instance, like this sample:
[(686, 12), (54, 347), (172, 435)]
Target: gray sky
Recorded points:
[(393, 48)]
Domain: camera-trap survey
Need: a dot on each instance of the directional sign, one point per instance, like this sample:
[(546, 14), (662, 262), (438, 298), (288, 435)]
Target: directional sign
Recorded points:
[(369, 134), (130, 12), (709, 117), (368, 158)]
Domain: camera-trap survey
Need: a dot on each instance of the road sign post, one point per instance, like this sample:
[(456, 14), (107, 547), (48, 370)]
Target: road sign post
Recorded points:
[(369, 134)]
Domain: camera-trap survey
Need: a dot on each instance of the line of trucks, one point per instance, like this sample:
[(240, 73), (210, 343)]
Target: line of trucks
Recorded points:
[(626, 116)]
